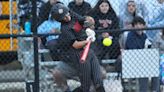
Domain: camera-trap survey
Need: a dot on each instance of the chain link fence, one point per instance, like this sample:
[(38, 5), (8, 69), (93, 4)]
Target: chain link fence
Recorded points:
[(36, 55)]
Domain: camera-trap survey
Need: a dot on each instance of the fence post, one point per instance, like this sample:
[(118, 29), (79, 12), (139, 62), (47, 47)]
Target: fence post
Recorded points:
[(11, 23), (36, 60)]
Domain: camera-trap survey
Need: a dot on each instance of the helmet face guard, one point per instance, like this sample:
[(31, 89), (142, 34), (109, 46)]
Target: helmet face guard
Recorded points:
[(59, 11)]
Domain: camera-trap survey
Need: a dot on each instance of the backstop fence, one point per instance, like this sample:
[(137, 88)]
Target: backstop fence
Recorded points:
[(129, 45)]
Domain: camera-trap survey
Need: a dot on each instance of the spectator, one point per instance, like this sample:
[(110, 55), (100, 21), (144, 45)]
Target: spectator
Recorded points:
[(44, 14), (104, 15), (126, 19), (128, 15), (25, 9), (137, 40), (105, 18), (141, 8), (80, 7), (156, 17), (45, 10), (50, 26), (159, 42)]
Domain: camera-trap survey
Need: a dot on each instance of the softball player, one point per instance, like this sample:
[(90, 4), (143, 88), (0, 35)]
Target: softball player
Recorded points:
[(71, 46)]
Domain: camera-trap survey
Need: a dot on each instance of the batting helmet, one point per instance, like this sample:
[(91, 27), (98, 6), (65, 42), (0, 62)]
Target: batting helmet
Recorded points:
[(58, 11)]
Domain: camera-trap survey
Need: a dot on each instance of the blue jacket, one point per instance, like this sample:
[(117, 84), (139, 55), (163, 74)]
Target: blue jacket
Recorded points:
[(135, 41), (47, 27), (156, 18)]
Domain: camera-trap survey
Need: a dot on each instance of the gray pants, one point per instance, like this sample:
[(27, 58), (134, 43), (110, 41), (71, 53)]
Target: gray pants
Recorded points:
[(143, 84)]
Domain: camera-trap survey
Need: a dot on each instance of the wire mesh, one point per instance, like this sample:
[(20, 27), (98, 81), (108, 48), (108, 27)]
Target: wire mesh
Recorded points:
[(129, 49)]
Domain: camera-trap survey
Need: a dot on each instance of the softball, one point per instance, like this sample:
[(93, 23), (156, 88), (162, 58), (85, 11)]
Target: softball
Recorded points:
[(107, 42)]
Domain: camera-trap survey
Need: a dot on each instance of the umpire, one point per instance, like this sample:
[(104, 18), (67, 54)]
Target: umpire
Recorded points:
[(71, 48)]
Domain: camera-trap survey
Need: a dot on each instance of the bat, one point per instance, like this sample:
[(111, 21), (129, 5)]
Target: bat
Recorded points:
[(85, 52)]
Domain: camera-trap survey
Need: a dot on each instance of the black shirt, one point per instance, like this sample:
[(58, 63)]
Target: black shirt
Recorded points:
[(68, 36), (80, 9)]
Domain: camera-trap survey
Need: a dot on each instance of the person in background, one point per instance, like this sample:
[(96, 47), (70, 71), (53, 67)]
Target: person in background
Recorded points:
[(139, 40), (128, 15), (132, 8), (80, 7), (155, 17), (159, 44), (141, 7), (25, 10), (126, 20), (105, 19), (45, 15), (50, 26), (45, 11), (159, 41)]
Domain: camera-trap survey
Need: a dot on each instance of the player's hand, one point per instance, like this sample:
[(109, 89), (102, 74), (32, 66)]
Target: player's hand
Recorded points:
[(91, 38), (90, 32)]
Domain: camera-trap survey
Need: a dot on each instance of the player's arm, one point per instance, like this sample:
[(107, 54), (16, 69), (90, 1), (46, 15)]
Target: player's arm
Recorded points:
[(79, 44), (72, 40), (91, 37)]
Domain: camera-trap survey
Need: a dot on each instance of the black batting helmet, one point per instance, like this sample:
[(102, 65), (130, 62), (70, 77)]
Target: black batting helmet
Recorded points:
[(58, 11)]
